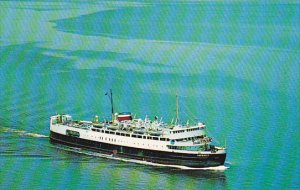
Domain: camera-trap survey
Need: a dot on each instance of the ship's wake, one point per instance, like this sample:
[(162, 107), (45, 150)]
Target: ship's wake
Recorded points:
[(21, 132), (173, 166), (108, 156)]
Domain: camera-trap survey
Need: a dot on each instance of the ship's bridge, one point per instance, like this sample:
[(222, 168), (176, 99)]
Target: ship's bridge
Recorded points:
[(186, 132)]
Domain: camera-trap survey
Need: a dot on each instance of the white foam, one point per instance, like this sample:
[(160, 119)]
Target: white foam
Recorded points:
[(35, 135), (23, 133), (176, 166)]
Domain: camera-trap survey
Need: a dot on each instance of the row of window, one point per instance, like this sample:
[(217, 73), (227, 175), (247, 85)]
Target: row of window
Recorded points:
[(188, 148), (72, 133), (193, 129), (121, 141), (188, 130), (191, 138), (130, 135), (109, 139)]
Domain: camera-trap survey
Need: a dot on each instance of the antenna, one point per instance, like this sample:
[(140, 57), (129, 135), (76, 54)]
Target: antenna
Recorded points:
[(112, 103), (177, 109)]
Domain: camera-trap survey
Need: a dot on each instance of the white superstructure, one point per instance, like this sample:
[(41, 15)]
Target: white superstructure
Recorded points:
[(138, 133)]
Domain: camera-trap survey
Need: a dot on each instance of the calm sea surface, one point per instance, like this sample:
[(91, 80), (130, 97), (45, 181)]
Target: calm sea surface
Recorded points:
[(235, 64)]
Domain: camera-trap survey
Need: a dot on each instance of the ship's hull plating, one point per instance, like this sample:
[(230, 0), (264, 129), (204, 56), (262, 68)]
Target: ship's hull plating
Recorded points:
[(170, 158)]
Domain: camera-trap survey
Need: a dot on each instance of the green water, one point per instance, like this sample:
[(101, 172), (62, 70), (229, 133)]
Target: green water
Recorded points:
[(235, 65)]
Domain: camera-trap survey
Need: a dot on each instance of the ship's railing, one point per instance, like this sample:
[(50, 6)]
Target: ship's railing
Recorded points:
[(129, 134)]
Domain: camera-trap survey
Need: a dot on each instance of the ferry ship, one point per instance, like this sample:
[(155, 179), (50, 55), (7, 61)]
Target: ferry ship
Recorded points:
[(141, 139)]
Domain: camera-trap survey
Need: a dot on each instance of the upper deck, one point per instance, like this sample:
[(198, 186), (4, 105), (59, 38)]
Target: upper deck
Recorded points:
[(143, 129)]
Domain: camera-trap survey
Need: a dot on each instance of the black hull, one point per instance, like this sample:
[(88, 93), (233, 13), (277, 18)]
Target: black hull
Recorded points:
[(169, 158)]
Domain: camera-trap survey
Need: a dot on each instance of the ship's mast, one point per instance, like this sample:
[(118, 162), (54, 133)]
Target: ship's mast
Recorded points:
[(177, 109), (112, 104)]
